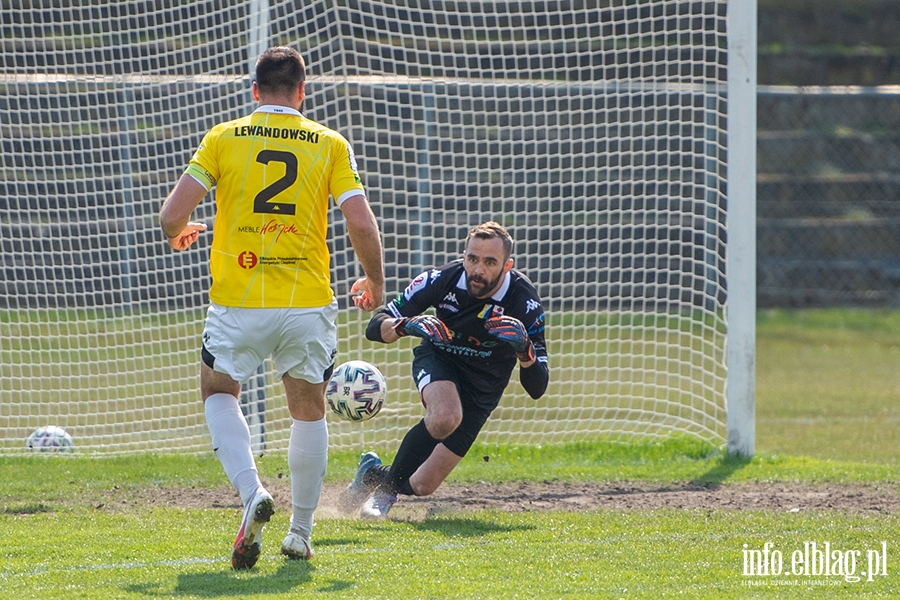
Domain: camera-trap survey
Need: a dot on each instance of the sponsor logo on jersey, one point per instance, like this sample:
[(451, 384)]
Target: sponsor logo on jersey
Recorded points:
[(531, 305), (489, 311), (272, 226), (279, 229), (247, 260), (450, 303), (417, 285), (281, 261), (434, 275)]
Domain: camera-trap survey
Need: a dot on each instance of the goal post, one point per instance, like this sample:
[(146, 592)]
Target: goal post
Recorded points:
[(599, 132), (741, 248)]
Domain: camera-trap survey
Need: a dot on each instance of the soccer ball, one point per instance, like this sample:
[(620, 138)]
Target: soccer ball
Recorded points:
[(356, 391), (50, 439)]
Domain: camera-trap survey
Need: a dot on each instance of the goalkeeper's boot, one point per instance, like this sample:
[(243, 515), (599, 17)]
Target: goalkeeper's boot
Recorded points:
[(297, 547), (356, 493), (378, 505), (248, 543)]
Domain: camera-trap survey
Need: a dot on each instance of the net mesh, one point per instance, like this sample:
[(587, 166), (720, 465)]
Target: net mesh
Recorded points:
[(595, 131)]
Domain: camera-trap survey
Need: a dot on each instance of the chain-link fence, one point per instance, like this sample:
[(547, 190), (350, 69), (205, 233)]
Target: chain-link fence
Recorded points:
[(828, 188)]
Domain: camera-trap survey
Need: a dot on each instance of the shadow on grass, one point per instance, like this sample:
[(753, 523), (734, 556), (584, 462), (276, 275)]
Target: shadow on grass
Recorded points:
[(466, 527), (233, 583), (28, 509), (722, 470)]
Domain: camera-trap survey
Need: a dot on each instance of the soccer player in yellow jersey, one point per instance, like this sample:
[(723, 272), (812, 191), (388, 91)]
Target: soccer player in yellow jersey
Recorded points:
[(274, 172)]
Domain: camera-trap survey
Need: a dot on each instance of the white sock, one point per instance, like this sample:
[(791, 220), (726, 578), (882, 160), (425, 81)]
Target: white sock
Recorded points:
[(231, 443), (307, 461)]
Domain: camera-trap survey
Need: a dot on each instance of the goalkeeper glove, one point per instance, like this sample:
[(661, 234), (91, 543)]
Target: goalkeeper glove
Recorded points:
[(511, 331), (425, 327)]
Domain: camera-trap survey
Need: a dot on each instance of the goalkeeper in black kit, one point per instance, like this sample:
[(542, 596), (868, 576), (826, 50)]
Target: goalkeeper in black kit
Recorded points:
[(487, 318)]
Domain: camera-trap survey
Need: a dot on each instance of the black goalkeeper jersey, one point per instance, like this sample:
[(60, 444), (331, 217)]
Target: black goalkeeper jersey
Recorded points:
[(444, 290)]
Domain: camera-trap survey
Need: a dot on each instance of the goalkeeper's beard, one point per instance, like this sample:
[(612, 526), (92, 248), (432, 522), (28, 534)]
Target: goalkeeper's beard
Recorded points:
[(479, 288)]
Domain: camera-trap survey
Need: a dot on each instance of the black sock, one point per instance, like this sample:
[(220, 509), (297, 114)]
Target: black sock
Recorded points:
[(415, 449)]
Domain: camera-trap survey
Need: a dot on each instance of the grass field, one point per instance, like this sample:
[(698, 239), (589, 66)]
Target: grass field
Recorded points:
[(826, 414), (828, 384), (65, 541)]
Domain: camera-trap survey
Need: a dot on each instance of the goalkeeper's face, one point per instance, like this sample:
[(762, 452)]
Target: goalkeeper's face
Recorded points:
[(486, 264)]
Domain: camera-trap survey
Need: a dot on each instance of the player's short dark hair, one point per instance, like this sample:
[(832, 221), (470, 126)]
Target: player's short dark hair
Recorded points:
[(489, 231), (280, 70)]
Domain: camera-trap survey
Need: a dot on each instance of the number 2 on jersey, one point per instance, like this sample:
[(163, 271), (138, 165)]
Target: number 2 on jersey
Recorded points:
[(261, 203)]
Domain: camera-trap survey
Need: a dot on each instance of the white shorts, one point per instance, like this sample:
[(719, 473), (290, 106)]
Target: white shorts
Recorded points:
[(301, 341)]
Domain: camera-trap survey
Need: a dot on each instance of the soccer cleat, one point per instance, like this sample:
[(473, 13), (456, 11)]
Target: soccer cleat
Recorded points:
[(296, 547), (248, 543), (356, 493), (378, 505)]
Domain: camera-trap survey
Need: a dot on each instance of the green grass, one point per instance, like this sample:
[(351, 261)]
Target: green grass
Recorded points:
[(607, 554), (828, 383), (63, 542), (46, 478)]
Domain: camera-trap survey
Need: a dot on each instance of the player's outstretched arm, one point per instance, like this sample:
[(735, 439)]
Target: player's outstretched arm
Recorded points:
[(175, 214), (387, 329), (535, 378), (379, 327), (366, 241)]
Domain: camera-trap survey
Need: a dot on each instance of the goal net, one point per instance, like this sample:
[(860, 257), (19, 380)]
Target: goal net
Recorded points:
[(594, 130)]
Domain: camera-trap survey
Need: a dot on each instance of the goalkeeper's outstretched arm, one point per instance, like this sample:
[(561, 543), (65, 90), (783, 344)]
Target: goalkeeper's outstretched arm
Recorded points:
[(385, 328), (535, 378), (380, 327)]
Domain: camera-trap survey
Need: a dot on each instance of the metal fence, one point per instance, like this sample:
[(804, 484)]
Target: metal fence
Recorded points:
[(828, 197)]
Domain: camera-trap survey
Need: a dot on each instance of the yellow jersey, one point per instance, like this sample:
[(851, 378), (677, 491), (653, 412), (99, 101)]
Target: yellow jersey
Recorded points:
[(274, 171)]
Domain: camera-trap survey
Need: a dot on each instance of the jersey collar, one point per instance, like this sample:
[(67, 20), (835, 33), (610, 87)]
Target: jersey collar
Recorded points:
[(498, 295), (278, 110)]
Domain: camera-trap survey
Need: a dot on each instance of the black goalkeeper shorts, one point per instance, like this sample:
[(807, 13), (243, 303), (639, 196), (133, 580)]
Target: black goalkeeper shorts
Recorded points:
[(478, 401)]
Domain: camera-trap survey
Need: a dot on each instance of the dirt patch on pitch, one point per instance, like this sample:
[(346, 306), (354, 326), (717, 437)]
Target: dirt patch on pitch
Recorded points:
[(547, 496)]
